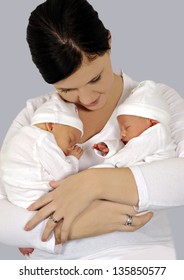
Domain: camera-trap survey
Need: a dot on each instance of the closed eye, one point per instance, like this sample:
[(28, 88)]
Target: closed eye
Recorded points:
[(63, 90), (96, 79), (66, 90)]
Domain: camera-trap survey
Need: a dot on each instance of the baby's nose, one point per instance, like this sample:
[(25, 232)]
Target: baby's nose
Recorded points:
[(123, 133)]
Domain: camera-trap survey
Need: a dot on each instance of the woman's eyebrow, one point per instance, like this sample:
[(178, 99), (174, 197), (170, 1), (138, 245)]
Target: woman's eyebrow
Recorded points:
[(93, 79)]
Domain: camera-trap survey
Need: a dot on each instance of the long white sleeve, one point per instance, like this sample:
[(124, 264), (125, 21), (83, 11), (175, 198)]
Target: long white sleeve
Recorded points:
[(13, 220), (12, 217), (161, 184)]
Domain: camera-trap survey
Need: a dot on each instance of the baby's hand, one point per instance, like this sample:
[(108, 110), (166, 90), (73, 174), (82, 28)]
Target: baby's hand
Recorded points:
[(26, 251), (102, 147), (75, 151)]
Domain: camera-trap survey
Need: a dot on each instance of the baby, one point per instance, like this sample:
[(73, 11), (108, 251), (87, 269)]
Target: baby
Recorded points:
[(144, 130), (44, 151)]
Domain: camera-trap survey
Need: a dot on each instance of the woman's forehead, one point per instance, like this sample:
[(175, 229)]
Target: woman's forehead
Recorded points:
[(87, 72)]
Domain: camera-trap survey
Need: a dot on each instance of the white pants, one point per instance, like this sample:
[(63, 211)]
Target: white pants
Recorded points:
[(152, 252)]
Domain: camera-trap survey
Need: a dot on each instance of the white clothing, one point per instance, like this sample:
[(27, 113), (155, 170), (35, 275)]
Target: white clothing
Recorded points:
[(29, 161), (155, 192), (146, 101), (155, 143), (56, 110)]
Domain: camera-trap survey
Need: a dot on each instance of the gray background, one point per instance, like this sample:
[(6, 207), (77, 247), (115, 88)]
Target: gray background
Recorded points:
[(147, 42)]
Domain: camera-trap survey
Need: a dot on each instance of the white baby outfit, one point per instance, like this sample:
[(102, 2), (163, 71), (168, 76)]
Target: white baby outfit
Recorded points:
[(155, 143), (32, 158)]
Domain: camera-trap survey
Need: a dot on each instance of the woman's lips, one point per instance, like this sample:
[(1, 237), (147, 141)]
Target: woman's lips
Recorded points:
[(94, 103)]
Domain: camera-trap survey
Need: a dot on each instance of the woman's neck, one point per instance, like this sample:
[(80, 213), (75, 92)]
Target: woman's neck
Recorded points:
[(94, 121), (118, 88)]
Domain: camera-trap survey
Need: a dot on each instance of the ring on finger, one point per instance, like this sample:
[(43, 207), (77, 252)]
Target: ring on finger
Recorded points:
[(129, 220), (51, 217)]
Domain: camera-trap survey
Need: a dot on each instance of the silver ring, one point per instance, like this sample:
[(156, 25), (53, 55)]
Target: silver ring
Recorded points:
[(129, 220), (51, 217)]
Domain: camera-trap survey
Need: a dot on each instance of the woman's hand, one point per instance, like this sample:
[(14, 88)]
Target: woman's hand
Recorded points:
[(64, 203), (103, 217), (77, 192)]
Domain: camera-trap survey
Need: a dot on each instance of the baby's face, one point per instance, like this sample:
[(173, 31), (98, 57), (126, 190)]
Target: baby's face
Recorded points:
[(66, 136), (132, 126)]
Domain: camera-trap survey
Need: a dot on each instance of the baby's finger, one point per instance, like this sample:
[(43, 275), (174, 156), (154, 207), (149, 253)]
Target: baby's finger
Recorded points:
[(95, 146), (105, 150), (81, 151)]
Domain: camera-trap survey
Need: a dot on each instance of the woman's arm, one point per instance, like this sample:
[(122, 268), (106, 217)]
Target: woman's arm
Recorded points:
[(161, 184), (77, 192), (103, 217), (99, 218), (12, 220)]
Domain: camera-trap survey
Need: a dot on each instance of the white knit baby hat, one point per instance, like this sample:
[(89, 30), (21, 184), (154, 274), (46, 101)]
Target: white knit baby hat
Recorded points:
[(146, 101), (55, 110)]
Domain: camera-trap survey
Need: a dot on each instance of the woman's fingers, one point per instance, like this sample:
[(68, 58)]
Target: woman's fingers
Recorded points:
[(40, 215), (41, 202), (66, 227), (55, 184), (57, 232), (132, 222), (52, 222), (50, 226), (126, 209), (64, 203)]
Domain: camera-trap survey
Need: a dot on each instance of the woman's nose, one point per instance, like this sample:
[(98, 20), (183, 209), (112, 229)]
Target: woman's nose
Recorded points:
[(86, 96)]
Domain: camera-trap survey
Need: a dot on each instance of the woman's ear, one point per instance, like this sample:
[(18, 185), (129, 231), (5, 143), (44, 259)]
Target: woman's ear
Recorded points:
[(49, 126), (110, 39)]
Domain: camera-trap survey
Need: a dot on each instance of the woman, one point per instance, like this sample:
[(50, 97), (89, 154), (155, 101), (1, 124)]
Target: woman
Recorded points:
[(72, 52)]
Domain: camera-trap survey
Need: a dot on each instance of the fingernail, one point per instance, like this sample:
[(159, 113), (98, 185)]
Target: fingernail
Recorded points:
[(44, 239), (26, 228)]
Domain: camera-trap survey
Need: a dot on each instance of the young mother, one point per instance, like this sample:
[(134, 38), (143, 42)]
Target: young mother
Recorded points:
[(94, 211)]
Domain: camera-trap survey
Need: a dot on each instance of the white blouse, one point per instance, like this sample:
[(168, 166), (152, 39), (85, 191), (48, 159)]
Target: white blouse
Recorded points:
[(155, 192)]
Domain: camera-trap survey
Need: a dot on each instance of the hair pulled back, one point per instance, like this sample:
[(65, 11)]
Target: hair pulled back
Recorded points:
[(60, 33)]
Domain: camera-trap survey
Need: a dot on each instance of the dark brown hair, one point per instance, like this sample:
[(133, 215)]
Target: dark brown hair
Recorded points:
[(60, 33)]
